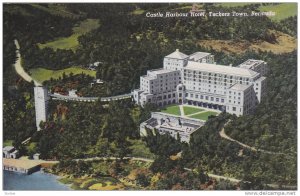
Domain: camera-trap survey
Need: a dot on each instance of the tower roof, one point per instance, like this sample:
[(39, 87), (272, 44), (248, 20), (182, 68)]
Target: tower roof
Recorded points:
[(177, 55)]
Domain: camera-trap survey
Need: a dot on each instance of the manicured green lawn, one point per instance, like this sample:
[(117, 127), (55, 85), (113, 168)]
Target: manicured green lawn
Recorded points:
[(282, 10), (191, 110), (204, 115), (41, 74), (71, 42), (172, 109)]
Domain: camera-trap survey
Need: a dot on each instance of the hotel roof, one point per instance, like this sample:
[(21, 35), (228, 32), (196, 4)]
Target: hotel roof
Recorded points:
[(222, 69), (250, 63), (198, 55), (240, 87), (177, 55), (8, 148)]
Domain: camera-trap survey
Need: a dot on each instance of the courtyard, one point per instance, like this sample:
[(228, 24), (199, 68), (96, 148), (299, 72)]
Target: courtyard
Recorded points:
[(190, 111)]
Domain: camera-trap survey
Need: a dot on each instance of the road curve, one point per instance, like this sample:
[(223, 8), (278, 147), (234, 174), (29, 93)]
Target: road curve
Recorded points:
[(225, 136), (19, 69)]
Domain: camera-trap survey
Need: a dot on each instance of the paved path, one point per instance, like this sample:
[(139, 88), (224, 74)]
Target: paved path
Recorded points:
[(115, 158), (196, 113), (217, 177), (181, 110), (19, 69), (225, 136)]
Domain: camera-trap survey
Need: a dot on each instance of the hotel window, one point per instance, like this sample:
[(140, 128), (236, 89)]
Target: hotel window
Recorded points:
[(211, 98), (222, 100), (201, 96), (192, 95), (217, 99), (206, 97), (186, 94), (233, 108), (197, 96)]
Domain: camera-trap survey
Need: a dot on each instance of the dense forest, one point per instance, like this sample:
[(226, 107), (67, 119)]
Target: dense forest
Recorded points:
[(128, 45)]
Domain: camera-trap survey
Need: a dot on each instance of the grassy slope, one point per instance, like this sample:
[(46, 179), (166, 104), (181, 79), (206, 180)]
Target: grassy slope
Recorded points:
[(41, 74), (56, 9), (138, 12), (283, 10), (7, 143), (71, 42), (285, 43)]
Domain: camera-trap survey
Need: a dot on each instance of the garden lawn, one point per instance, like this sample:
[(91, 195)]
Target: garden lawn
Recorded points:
[(41, 74), (172, 109), (71, 42), (204, 115), (191, 110)]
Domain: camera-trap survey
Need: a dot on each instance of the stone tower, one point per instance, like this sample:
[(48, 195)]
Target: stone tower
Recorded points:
[(41, 99)]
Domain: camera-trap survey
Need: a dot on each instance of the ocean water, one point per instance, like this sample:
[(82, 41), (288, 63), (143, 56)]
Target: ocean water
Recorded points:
[(36, 181)]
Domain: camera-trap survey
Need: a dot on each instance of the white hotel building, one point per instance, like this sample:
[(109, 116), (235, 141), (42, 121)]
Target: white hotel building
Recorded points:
[(197, 80)]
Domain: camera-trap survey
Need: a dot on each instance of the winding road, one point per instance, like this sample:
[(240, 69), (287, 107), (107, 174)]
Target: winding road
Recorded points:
[(225, 136), (214, 176), (19, 69)]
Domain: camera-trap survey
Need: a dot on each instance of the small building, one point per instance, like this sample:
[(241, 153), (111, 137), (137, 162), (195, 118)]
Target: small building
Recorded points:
[(173, 125), (72, 93), (10, 152), (21, 166), (96, 81), (36, 156), (94, 65)]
